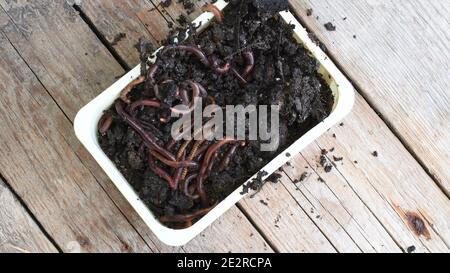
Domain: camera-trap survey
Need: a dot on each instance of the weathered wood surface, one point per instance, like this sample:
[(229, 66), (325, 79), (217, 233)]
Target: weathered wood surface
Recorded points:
[(400, 60), (19, 233), (347, 228), (60, 183), (360, 208)]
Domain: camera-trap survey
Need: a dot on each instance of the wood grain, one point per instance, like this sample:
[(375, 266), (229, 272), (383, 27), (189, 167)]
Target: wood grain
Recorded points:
[(19, 233), (348, 228), (42, 168), (43, 50), (400, 61)]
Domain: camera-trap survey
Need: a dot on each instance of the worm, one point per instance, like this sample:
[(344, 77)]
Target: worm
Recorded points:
[(104, 124), (124, 93), (195, 95), (140, 103), (186, 185), (250, 61), (227, 157), (150, 80), (183, 148), (191, 49), (216, 68), (161, 173), (191, 156), (178, 172), (146, 136), (174, 164), (170, 144), (215, 11), (185, 218), (204, 167)]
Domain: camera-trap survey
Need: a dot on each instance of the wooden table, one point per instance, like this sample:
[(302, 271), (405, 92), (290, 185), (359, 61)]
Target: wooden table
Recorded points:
[(55, 56)]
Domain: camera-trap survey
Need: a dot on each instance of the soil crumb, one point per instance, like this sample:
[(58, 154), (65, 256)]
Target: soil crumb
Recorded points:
[(411, 249), (118, 38), (330, 27)]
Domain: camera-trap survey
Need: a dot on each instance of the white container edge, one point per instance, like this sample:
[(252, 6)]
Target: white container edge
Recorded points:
[(86, 130)]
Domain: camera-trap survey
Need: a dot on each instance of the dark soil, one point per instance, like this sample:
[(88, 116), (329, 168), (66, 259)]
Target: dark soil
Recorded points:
[(284, 74), (330, 27)]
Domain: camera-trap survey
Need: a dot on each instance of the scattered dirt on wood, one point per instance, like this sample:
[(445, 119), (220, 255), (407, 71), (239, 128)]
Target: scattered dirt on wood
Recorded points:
[(330, 27), (417, 224), (119, 37), (411, 249)]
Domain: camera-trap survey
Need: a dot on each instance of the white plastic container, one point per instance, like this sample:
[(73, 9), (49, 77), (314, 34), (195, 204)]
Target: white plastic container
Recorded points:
[(88, 117)]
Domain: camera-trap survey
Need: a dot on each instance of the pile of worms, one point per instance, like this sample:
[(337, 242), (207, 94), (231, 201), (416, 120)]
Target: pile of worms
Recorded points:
[(187, 168)]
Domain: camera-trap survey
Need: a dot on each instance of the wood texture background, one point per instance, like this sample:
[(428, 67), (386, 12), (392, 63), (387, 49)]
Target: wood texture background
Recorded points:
[(55, 57)]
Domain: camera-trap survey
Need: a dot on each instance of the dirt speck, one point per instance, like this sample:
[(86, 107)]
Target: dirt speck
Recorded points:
[(330, 27), (411, 249), (417, 224), (119, 37)]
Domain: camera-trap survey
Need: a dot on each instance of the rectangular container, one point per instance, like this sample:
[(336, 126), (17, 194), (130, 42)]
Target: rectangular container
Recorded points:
[(88, 117)]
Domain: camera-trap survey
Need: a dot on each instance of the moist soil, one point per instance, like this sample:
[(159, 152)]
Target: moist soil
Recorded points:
[(284, 74)]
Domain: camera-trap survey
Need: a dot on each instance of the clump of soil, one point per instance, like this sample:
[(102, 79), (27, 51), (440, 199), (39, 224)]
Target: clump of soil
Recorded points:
[(138, 139), (330, 27)]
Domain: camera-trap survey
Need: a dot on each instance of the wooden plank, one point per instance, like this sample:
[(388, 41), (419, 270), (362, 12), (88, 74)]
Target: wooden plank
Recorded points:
[(329, 213), (42, 49), (46, 173), (400, 59), (342, 216), (371, 190), (136, 19), (19, 233)]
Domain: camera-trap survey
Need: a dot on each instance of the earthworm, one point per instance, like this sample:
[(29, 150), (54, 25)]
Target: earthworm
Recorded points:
[(161, 173), (183, 148), (148, 126), (185, 218), (170, 144), (211, 163), (146, 136), (227, 157), (201, 150), (105, 123), (203, 91), (150, 80), (218, 69), (204, 167), (177, 173), (215, 11), (191, 49), (250, 61), (174, 164), (192, 156), (186, 185), (195, 95), (139, 103), (184, 96), (124, 93)]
